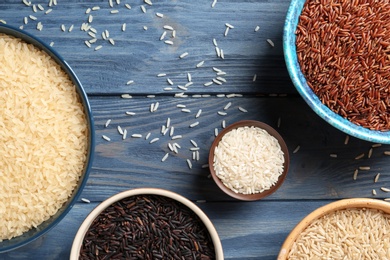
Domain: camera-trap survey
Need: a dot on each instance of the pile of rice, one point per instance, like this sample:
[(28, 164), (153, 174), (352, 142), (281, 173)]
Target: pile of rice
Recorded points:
[(345, 234), (248, 160), (43, 137)]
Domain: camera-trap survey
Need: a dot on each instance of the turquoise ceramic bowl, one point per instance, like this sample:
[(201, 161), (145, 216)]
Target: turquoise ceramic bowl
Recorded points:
[(34, 233), (305, 91)]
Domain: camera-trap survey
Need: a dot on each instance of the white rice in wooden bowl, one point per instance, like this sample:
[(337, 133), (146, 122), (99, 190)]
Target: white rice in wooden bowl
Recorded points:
[(248, 160), (43, 137), (355, 233)]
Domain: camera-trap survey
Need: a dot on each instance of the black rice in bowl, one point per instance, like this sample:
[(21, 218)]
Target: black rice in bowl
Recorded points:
[(147, 227)]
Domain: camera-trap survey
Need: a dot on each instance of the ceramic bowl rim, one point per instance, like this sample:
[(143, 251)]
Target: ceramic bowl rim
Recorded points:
[(76, 245)]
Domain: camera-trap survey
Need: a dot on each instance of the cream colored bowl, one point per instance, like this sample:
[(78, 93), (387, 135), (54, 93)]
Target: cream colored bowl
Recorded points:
[(324, 210), (75, 251)]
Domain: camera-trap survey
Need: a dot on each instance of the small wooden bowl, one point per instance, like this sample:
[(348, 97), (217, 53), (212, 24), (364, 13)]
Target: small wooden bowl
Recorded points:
[(327, 209), (256, 196)]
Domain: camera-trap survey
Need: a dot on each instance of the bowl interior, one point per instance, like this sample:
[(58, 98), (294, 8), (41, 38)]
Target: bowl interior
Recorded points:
[(77, 243), (271, 131), (306, 92), (329, 208), (34, 233)]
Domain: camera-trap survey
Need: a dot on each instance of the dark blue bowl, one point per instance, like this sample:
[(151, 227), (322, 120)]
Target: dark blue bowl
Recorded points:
[(299, 81), (34, 233)]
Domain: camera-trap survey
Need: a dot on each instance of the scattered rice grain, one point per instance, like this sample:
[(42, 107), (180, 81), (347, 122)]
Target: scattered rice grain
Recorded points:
[(242, 109), (194, 124), (165, 157), (154, 140), (360, 156), (85, 200), (271, 42), (355, 173), (189, 163), (200, 64), (377, 177), (126, 96)]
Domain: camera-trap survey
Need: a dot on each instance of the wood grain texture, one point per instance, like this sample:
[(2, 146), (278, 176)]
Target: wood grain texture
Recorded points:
[(254, 230), (313, 173), (139, 55)]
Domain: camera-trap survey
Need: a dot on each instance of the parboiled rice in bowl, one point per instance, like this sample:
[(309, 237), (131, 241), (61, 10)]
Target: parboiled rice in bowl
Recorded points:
[(346, 229), (47, 138)]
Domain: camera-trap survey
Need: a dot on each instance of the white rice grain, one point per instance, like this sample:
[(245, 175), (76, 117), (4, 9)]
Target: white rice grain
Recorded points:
[(165, 157), (163, 35), (85, 200), (154, 140), (120, 130), (271, 42), (227, 106), (168, 27), (242, 109), (194, 124), (198, 113), (189, 163), (183, 55), (229, 25)]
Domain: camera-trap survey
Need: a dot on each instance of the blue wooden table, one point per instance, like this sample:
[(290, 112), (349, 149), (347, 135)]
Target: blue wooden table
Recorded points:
[(173, 54)]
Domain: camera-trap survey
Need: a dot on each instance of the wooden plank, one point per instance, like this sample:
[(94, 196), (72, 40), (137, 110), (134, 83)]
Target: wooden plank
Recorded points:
[(139, 55), (254, 230), (134, 162)]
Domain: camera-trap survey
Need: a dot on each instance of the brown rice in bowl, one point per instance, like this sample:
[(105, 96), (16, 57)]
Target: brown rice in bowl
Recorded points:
[(346, 229)]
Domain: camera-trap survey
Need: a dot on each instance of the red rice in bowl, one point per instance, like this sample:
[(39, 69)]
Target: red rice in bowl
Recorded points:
[(342, 49), (44, 137)]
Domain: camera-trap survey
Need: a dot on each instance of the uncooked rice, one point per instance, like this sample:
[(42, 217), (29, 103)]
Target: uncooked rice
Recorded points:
[(44, 137), (248, 160), (345, 234)]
